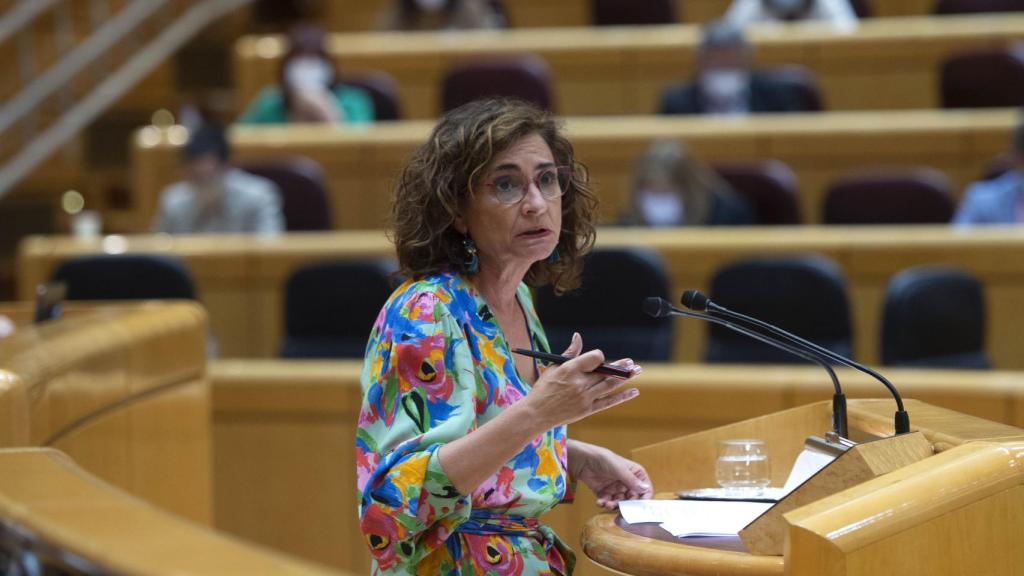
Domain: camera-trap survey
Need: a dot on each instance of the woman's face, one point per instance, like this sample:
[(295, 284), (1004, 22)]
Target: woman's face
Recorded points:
[(515, 235)]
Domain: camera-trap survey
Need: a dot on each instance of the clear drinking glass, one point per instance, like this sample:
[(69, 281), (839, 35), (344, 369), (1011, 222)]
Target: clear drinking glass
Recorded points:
[(743, 466)]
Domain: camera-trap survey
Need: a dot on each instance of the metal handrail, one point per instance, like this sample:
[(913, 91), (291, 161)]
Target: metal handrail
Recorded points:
[(112, 88), (21, 15)]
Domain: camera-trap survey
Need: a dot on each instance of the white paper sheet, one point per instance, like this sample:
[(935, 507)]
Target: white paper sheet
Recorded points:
[(807, 464), (684, 518)]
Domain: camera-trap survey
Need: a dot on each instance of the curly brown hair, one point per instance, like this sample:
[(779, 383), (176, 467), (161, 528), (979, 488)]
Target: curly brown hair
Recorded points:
[(437, 182)]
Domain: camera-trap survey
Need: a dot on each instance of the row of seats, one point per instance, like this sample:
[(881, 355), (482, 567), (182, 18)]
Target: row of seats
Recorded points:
[(976, 79), (934, 316), (890, 196)]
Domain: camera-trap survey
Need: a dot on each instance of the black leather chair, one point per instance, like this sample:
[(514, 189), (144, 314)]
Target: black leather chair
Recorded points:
[(632, 12), (992, 78), (977, 6), (383, 90), (934, 317), (803, 294), (330, 308), (890, 196), (769, 186), (607, 307), (526, 77), (125, 277), (303, 188)]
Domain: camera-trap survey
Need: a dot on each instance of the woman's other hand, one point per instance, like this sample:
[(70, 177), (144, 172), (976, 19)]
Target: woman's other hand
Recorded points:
[(572, 391), (611, 477)]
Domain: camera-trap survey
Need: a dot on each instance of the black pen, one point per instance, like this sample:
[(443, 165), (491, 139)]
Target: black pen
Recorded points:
[(609, 369)]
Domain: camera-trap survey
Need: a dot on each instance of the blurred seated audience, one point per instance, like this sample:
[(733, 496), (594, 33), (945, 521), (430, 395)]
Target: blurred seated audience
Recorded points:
[(671, 187), (743, 13), (411, 15), (726, 83), (216, 197), (309, 89), (999, 200)]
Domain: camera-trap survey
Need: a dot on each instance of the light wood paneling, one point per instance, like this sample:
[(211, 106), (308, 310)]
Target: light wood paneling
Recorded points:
[(241, 280), (122, 390), (360, 164), (284, 434), (64, 508), (364, 14), (888, 63)]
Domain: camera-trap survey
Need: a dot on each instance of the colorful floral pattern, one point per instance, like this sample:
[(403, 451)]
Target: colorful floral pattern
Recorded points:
[(437, 367)]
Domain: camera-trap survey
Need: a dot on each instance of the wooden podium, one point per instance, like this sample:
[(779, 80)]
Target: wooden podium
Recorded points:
[(959, 510)]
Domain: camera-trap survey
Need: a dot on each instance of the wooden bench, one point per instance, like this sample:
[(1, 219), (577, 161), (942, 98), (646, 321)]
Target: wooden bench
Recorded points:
[(887, 63), (241, 279)]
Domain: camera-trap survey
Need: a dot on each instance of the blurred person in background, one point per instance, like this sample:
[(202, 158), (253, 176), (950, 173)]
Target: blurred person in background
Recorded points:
[(443, 15), (671, 187), (999, 200), (216, 197), (743, 13), (309, 88), (726, 82)]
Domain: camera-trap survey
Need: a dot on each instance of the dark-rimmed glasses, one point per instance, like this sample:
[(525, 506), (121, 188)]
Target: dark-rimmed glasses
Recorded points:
[(510, 186)]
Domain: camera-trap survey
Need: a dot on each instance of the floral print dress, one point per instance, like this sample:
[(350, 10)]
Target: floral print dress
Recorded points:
[(437, 367)]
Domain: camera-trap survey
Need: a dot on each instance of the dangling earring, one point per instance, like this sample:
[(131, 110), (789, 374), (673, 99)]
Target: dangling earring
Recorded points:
[(554, 256), (472, 262)]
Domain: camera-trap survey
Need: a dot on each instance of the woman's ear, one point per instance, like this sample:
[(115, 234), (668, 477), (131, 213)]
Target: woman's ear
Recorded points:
[(460, 225)]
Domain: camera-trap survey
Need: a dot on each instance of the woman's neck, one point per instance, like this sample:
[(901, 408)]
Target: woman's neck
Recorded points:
[(498, 286)]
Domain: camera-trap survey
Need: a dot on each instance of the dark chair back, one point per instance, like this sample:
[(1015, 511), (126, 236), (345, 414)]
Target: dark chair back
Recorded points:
[(769, 186), (983, 79), (607, 307), (803, 294), (125, 277), (330, 308), (904, 196), (802, 83), (526, 77), (934, 317), (632, 12), (977, 6), (862, 8), (303, 188), (383, 90)]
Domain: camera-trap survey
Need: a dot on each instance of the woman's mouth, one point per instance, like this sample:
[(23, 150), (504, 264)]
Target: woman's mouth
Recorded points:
[(534, 233)]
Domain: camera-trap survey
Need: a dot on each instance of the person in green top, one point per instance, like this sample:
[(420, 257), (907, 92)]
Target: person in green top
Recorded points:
[(310, 89)]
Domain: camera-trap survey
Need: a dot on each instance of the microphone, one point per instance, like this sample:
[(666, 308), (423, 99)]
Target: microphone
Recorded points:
[(661, 308), (695, 300)]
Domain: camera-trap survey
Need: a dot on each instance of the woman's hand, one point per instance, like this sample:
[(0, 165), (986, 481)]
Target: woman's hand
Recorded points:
[(572, 391), (611, 477)]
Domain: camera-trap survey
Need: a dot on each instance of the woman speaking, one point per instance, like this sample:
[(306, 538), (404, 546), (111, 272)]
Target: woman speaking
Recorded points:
[(462, 444)]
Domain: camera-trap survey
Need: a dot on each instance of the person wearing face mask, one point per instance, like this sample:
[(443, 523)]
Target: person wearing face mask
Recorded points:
[(216, 197), (672, 188), (743, 13), (997, 200), (725, 82), (310, 90), (443, 15)]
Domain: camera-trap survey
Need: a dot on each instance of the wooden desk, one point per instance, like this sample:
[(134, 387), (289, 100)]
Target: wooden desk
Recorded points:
[(361, 163), (121, 389), (284, 436), (66, 515), (241, 279), (364, 14), (889, 63)]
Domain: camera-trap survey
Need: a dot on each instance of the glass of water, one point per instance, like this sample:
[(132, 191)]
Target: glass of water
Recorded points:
[(743, 466)]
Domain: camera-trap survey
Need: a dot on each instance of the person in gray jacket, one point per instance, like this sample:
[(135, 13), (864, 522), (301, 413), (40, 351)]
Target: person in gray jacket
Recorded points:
[(216, 197)]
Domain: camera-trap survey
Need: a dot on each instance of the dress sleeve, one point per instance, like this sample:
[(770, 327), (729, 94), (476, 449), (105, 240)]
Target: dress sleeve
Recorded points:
[(419, 392)]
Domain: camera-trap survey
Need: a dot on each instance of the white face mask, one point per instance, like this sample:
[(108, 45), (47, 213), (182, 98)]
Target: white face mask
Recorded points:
[(661, 208), (430, 5), (308, 72), (725, 83)]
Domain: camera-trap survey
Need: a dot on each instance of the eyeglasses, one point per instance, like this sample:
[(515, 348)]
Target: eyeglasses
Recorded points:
[(510, 188)]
